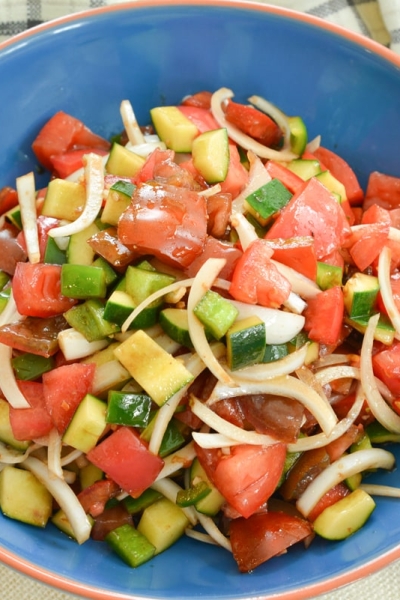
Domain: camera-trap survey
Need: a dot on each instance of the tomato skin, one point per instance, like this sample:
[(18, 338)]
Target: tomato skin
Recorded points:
[(124, 457), (297, 253), (293, 182), (214, 248), (64, 388), (201, 117), (383, 190), (62, 133), (313, 212), (8, 199), (256, 280), (37, 290), (34, 422), (262, 536), (68, 162), (95, 497), (343, 172), (38, 336), (324, 316), (337, 448), (11, 251), (386, 365), (332, 496), (108, 520), (247, 476), (305, 469), (167, 222), (237, 176), (254, 123), (200, 99)]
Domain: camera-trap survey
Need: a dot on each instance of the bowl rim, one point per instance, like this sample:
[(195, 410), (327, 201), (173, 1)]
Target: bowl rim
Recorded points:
[(63, 583)]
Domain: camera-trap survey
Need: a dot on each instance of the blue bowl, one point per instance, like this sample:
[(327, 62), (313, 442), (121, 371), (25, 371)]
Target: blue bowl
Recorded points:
[(346, 88)]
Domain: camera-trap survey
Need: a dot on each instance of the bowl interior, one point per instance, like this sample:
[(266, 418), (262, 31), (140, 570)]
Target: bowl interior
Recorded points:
[(153, 53)]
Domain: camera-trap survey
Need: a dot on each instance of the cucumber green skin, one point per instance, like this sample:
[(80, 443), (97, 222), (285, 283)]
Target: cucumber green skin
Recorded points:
[(246, 347), (174, 323), (345, 517), (132, 546), (211, 504)]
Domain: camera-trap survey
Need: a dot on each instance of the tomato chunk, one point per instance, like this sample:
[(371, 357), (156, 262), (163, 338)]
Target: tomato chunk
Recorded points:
[(382, 189), (34, 422), (200, 116), (343, 172), (214, 248), (297, 253), (264, 535), (254, 123), (95, 497), (8, 199), (125, 458), (386, 364), (332, 496), (68, 162), (324, 316)]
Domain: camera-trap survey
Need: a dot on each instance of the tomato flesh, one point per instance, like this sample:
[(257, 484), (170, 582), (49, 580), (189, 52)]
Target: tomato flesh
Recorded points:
[(34, 422)]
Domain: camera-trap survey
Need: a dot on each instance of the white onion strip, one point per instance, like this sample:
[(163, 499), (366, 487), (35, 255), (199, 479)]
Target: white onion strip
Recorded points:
[(64, 496), (169, 488), (132, 128), (258, 176), (379, 408), (27, 203), (386, 288), (276, 114), (213, 440), (380, 490), (94, 176), (301, 285), (328, 374), (10, 456), (289, 387), (341, 469), (54, 453), (210, 527), (203, 281), (181, 459), (245, 230), (243, 140), (200, 536)]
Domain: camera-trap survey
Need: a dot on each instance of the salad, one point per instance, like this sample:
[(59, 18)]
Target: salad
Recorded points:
[(199, 333)]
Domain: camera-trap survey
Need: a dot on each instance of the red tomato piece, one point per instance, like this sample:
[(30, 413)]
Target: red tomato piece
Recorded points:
[(64, 388), (247, 476), (313, 212), (62, 133), (34, 422), (201, 117), (368, 244), (68, 162), (336, 448), (166, 221), (95, 497), (146, 173), (383, 190), (324, 316), (214, 248), (37, 290), (200, 99), (273, 415), (256, 280), (293, 182), (108, 520), (8, 199), (125, 458), (254, 123), (297, 253), (305, 469), (332, 496), (219, 207), (11, 251), (386, 364), (237, 176), (343, 405), (343, 172), (44, 224), (262, 536)]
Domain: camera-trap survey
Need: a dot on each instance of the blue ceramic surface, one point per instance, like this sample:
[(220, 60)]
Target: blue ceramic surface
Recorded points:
[(346, 89)]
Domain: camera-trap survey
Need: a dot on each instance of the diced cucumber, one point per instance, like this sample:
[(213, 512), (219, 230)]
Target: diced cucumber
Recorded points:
[(245, 342), (173, 438), (174, 128), (298, 135), (384, 331), (345, 517), (211, 504), (118, 199), (210, 154), (120, 305), (359, 293), (89, 474), (23, 497), (216, 313), (268, 200), (174, 322), (109, 273), (305, 168), (87, 424), (163, 523), (132, 546), (79, 252), (83, 281), (14, 216), (274, 352), (64, 199), (328, 275), (53, 253), (6, 432), (378, 434), (333, 185), (160, 374), (122, 162), (141, 282), (60, 520)]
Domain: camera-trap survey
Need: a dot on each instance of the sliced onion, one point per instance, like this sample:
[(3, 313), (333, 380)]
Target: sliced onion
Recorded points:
[(262, 371), (64, 497), (213, 440), (341, 469), (379, 408), (10, 456), (8, 383), (325, 376), (200, 536), (203, 281), (276, 114), (210, 527), (258, 176), (169, 488), (380, 490), (314, 144), (211, 191), (280, 326), (301, 285), (74, 345), (27, 203), (54, 453), (287, 386), (94, 176), (386, 288), (133, 131), (10, 312), (243, 140), (332, 359), (181, 459), (71, 457), (245, 230)]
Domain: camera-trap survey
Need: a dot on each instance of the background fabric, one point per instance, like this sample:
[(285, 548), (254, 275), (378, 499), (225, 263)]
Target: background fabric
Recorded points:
[(379, 20)]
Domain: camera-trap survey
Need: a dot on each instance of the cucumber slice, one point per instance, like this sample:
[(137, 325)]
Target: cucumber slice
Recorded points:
[(123, 163), (328, 275), (64, 199), (298, 135), (211, 504), (305, 168), (174, 322), (359, 294), (16, 487), (245, 343), (332, 185), (216, 313), (268, 200), (210, 153), (163, 523), (345, 517), (87, 424), (174, 128)]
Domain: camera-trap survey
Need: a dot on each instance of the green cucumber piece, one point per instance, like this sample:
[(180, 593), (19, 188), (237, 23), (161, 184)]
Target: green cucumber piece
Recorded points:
[(298, 135), (118, 199), (384, 331), (23, 497), (130, 545), (163, 523), (210, 154), (345, 517), (88, 319), (274, 352), (305, 168), (211, 504), (378, 434), (333, 185), (141, 282), (83, 281), (216, 313), (87, 424), (172, 438), (78, 251), (328, 276), (174, 322), (109, 273), (268, 200), (245, 343), (6, 432), (120, 305), (359, 293), (60, 520), (64, 199), (122, 162), (174, 128)]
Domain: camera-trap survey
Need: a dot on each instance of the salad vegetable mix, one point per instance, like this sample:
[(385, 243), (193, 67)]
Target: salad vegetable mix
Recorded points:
[(199, 333)]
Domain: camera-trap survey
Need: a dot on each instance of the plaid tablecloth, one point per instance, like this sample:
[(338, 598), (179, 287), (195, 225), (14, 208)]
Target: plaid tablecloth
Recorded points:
[(379, 20)]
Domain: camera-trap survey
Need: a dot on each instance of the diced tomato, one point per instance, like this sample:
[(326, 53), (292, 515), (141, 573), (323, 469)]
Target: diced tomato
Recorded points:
[(68, 162), (383, 190), (313, 212), (62, 133), (214, 248), (262, 536), (367, 244), (31, 423), (146, 173), (343, 172), (305, 469), (256, 280), (125, 458), (343, 405), (200, 99), (237, 176), (395, 285), (254, 123), (44, 224), (11, 251), (297, 253), (272, 415), (167, 222), (108, 520), (105, 243), (386, 365), (95, 497), (37, 290), (231, 410), (8, 199), (336, 448), (37, 336), (64, 388), (336, 493), (324, 316), (201, 117), (219, 207), (247, 476), (293, 182)]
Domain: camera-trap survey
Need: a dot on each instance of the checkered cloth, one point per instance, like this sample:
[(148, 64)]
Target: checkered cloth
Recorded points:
[(377, 19)]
